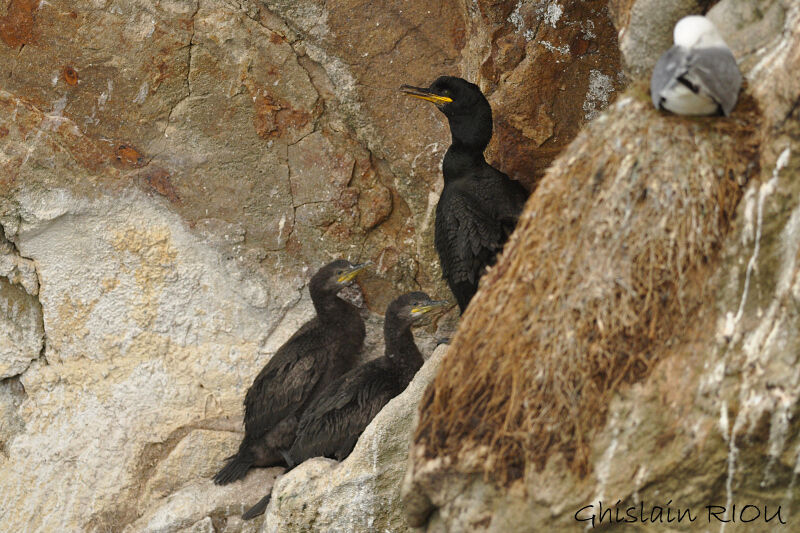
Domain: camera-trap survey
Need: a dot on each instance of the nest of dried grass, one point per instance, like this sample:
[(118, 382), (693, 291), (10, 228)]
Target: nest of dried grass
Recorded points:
[(607, 264)]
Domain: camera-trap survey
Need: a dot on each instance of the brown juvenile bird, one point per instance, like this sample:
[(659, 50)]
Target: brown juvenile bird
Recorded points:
[(332, 423), (319, 352)]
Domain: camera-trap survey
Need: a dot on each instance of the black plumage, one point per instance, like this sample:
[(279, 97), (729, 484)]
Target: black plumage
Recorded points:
[(479, 205), (322, 350), (332, 423)]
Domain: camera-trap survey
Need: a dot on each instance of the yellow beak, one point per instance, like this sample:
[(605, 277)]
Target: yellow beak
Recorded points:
[(353, 272), (425, 94), (429, 307)]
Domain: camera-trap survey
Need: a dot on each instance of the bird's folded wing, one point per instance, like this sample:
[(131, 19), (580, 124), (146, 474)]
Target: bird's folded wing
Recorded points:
[(279, 391), (468, 237), (669, 68), (337, 394), (715, 73), (335, 421)]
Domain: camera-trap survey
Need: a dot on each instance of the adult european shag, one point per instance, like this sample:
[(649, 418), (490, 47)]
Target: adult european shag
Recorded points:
[(332, 423), (480, 205), (697, 76), (322, 350)]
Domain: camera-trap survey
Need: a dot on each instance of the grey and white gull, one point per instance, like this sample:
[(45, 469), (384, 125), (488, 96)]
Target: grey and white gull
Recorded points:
[(698, 75)]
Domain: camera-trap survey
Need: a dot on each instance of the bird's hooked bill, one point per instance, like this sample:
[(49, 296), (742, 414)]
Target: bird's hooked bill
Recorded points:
[(430, 306), (353, 272), (425, 94)]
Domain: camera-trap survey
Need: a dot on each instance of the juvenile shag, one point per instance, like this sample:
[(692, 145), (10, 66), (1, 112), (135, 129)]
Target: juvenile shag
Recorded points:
[(332, 423), (480, 205), (322, 350), (697, 76)]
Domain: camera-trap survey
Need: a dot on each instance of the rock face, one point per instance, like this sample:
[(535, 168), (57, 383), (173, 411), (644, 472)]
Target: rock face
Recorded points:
[(710, 419), (172, 173), (564, 54), (21, 334)]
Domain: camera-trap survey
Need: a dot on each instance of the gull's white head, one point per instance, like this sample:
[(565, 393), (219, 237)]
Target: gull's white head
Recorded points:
[(696, 31)]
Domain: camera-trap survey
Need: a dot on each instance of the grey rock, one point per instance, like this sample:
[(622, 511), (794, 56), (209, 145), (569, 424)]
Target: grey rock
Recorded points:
[(12, 395), (648, 33), (21, 329)]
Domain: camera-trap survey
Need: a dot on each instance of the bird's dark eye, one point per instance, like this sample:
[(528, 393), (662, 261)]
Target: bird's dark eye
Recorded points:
[(447, 93)]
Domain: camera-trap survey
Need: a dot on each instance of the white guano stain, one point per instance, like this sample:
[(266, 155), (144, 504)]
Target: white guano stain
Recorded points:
[(777, 53), (603, 466), (142, 94), (151, 29), (587, 28), (105, 95), (431, 149), (729, 435), (50, 122), (765, 190), (763, 342), (281, 225)]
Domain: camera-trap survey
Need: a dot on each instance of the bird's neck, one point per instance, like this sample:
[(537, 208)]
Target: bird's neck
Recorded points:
[(472, 131), (401, 351), (471, 134), (461, 160), (331, 308)]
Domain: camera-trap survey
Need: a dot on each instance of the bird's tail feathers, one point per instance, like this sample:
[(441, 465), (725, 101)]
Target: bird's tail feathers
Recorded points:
[(258, 508), (288, 458), (236, 469)]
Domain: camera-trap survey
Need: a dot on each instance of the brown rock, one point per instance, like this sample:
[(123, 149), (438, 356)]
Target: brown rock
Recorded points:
[(17, 26), (70, 76), (129, 156), (541, 100), (272, 119), (318, 172), (158, 180), (375, 206)]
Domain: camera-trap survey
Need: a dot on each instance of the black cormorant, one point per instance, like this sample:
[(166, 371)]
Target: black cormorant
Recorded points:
[(322, 350), (332, 423), (480, 205)]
